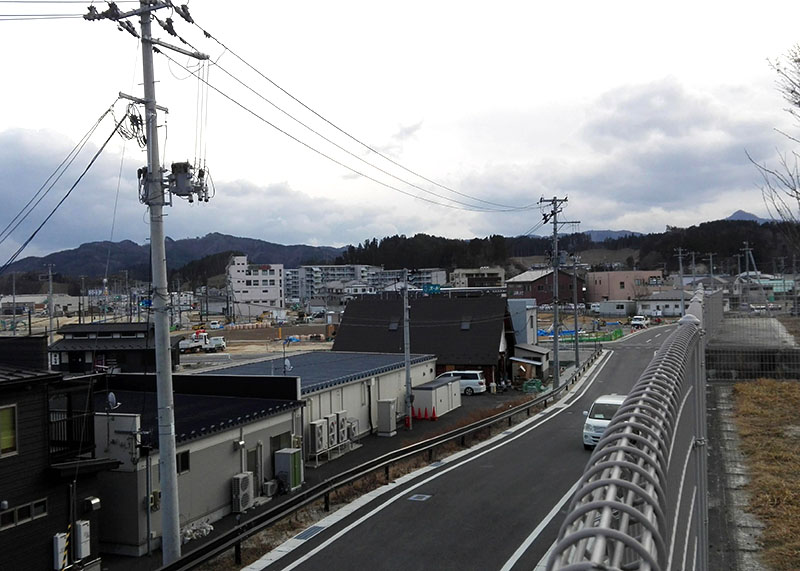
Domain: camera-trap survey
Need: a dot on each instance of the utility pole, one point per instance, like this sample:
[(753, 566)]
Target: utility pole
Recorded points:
[(155, 199), (711, 266), (171, 541), (555, 207), (746, 251), (680, 280), (575, 305), (81, 305), (407, 349), (694, 273), (14, 301), (50, 300)]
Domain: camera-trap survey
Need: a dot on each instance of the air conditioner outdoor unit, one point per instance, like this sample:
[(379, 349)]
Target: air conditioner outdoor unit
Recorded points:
[(318, 436), (352, 429), (242, 491), (271, 487), (341, 421), (333, 430)]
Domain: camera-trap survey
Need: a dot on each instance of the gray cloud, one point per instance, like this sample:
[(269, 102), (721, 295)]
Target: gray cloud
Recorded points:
[(644, 156)]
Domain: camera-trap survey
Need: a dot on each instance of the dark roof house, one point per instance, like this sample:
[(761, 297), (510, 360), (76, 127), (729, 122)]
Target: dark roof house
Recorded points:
[(49, 473), (463, 333), (126, 347)]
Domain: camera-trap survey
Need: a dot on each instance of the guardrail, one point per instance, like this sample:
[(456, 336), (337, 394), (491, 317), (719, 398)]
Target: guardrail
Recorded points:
[(641, 502), (233, 538)]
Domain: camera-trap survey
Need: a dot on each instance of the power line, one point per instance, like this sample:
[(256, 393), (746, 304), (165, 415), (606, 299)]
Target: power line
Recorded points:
[(321, 153), (60, 202), (62, 167), (30, 17), (352, 154), (365, 145)]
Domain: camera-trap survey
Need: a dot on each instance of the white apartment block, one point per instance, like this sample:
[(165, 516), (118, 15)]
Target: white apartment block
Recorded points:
[(256, 288), (307, 282), (484, 276)]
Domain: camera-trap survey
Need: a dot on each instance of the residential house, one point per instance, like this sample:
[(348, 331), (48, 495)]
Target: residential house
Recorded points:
[(538, 284), (463, 333), (663, 304), (530, 360), (50, 497), (221, 442), (349, 383), (126, 347)]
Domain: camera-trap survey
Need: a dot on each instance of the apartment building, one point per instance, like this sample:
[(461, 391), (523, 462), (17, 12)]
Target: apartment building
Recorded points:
[(255, 288)]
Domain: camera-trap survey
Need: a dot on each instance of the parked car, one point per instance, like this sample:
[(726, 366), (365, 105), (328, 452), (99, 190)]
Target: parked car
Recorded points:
[(471, 382), (215, 324), (598, 417), (639, 322)]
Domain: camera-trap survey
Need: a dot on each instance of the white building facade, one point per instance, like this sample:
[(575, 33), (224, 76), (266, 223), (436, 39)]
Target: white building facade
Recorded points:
[(255, 288)]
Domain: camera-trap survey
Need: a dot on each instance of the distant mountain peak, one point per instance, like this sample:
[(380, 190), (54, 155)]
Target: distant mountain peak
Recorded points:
[(744, 215)]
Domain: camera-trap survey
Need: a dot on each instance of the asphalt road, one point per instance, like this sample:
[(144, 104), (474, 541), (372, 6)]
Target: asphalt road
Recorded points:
[(495, 506)]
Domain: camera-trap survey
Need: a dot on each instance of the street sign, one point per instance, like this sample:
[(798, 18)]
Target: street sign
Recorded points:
[(431, 288)]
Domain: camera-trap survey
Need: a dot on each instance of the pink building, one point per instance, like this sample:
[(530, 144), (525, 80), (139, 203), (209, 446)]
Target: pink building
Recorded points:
[(633, 284)]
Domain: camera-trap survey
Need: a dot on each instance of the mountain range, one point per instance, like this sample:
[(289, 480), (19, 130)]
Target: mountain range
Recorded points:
[(108, 258), (92, 258)]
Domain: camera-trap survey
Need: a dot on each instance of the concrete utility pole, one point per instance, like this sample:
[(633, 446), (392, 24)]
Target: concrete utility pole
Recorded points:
[(154, 197), (711, 267), (555, 207), (575, 305), (694, 272), (171, 540), (81, 304), (407, 349), (50, 300), (680, 280), (14, 301)]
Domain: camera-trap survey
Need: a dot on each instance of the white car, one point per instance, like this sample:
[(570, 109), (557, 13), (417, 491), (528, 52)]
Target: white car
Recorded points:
[(472, 382), (598, 417), (639, 322)]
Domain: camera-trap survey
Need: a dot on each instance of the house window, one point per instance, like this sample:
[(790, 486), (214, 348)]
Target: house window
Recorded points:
[(8, 519), (183, 461), (39, 508), (8, 430), (621, 285), (23, 514), (248, 282)]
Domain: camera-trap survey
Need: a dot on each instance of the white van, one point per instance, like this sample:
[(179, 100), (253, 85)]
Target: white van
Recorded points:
[(472, 382), (598, 417)]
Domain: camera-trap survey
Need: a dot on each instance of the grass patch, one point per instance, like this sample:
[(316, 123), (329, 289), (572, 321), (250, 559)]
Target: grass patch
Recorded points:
[(769, 428)]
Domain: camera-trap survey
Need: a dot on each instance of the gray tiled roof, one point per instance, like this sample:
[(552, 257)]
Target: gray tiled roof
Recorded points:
[(15, 374), (196, 416), (322, 369)]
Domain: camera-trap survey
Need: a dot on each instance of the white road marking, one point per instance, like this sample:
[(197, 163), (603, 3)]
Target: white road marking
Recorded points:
[(503, 439), (539, 528)]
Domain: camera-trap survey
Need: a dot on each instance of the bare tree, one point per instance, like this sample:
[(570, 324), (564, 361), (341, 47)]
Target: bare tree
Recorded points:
[(781, 184)]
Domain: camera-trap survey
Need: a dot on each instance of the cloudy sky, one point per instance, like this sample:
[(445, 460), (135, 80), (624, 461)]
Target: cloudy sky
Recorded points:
[(454, 117)]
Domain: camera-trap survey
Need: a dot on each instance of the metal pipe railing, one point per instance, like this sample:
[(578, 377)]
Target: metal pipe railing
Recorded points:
[(624, 513)]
